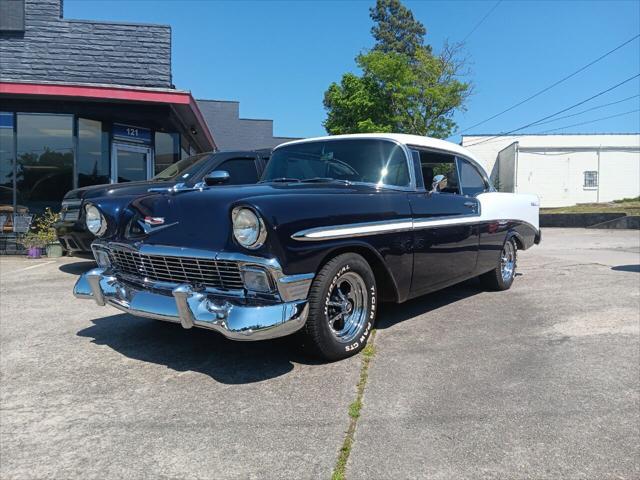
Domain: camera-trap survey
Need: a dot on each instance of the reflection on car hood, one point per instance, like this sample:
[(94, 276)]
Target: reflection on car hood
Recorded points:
[(202, 218), (115, 189)]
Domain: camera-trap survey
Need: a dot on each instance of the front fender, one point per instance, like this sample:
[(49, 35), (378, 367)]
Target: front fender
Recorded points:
[(389, 253)]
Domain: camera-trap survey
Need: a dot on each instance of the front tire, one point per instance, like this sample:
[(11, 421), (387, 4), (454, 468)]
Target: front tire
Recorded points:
[(501, 277), (342, 308)]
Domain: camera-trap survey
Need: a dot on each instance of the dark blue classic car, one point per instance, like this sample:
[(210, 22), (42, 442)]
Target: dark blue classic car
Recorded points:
[(335, 226)]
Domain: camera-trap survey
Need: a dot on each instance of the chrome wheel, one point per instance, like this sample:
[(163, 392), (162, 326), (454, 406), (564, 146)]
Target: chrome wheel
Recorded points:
[(508, 261), (347, 307)]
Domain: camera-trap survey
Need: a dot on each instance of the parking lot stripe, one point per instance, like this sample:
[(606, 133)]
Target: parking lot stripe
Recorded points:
[(33, 266)]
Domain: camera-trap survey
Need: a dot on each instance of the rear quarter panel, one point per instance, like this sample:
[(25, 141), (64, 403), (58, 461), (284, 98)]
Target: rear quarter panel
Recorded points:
[(504, 214)]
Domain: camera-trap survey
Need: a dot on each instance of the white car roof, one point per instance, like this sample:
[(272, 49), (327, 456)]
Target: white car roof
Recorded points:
[(417, 140)]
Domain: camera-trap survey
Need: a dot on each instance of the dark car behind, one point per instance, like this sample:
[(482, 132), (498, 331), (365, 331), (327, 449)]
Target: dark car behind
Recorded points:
[(244, 167)]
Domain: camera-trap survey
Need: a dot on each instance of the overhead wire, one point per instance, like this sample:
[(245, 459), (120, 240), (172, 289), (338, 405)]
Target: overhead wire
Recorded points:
[(549, 87), (597, 107), (558, 112), (482, 20), (591, 121), (516, 137)]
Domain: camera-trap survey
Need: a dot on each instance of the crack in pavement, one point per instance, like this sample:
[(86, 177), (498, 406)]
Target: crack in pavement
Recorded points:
[(354, 411)]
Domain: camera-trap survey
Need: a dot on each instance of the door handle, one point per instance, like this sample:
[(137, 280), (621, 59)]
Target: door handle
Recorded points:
[(470, 204)]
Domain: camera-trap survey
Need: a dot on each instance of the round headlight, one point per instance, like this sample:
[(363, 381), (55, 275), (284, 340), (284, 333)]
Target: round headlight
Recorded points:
[(94, 220), (248, 228)]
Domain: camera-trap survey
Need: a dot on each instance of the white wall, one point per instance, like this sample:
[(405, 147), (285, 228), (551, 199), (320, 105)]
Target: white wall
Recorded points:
[(553, 166), (558, 177), (619, 175)]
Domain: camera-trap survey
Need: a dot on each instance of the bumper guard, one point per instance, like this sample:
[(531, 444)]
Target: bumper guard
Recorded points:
[(237, 319)]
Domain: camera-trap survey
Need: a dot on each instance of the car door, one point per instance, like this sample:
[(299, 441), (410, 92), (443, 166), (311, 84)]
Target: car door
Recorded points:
[(445, 235), (492, 233)]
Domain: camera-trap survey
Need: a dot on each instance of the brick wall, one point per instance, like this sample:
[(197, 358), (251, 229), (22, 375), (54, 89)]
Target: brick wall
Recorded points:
[(81, 51)]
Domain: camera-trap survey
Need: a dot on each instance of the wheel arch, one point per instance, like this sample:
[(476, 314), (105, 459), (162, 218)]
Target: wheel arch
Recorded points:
[(517, 237), (387, 286)]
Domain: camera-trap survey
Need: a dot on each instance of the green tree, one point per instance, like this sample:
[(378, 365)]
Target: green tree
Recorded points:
[(403, 87), (395, 29)]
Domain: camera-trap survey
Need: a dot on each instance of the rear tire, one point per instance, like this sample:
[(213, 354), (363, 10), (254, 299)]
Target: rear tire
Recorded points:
[(342, 308), (501, 277)]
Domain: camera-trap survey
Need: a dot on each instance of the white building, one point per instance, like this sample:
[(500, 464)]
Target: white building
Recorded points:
[(562, 170)]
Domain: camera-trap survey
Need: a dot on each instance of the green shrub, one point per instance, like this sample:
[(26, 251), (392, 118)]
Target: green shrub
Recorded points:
[(42, 232)]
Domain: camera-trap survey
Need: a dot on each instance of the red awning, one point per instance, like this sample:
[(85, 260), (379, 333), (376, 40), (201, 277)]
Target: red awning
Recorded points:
[(182, 101)]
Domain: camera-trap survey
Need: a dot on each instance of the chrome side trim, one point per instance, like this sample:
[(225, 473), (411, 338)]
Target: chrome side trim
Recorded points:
[(353, 230), (377, 228), (401, 225), (446, 221)]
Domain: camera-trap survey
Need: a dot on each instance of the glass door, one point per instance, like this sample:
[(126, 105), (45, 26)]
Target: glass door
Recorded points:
[(130, 163)]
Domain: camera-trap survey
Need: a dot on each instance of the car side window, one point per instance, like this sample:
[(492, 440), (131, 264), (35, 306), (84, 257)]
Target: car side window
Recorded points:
[(433, 164), (241, 170), (471, 181)]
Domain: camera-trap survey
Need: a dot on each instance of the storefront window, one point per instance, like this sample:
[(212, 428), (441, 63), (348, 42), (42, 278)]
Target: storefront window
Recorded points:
[(184, 147), (167, 147), (44, 159), (93, 153), (6, 158)]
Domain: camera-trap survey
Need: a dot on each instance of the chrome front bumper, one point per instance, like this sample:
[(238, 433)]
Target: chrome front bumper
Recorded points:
[(235, 318)]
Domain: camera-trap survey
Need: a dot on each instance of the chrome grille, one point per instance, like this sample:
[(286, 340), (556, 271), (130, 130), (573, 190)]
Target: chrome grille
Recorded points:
[(196, 271)]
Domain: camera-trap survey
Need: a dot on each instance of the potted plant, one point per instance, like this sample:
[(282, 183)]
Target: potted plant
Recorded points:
[(45, 226), (34, 244), (44, 235)]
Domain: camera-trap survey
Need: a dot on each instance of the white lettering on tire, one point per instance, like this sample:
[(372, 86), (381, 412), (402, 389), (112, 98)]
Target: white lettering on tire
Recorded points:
[(367, 331)]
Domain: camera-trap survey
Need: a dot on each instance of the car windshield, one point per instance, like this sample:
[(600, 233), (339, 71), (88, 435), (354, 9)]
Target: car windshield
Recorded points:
[(183, 169), (367, 160)]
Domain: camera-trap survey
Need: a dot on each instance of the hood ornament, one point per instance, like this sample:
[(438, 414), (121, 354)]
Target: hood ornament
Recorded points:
[(153, 224), (153, 221)]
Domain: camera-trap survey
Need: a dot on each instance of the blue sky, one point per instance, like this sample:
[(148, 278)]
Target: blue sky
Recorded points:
[(278, 57)]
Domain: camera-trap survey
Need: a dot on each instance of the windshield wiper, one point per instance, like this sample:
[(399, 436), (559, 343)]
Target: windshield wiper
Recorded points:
[(325, 180), (280, 180)]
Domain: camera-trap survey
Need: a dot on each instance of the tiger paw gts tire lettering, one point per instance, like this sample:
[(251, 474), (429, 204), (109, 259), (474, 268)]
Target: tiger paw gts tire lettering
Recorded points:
[(342, 308)]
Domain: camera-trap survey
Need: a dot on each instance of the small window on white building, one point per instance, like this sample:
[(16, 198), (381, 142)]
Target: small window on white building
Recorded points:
[(591, 179)]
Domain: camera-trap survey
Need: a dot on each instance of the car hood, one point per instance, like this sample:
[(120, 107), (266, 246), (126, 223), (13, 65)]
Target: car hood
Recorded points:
[(202, 218), (115, 189)]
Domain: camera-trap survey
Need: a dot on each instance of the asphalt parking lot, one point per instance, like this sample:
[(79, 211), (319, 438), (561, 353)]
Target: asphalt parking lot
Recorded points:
[(542, 381)]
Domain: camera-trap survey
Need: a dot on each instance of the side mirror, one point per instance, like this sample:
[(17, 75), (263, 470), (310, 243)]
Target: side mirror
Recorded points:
[(217, 177), (439, 182)]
